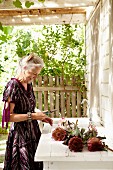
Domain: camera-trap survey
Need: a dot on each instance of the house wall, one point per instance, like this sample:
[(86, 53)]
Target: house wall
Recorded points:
[(99, 52)]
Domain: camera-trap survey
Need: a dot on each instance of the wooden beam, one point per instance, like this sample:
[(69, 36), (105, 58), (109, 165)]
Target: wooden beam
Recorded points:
[(43, 20), (40, 12), (8, 4), (64, 88)]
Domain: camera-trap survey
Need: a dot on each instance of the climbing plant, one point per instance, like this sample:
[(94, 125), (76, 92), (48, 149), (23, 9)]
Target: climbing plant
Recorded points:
[(19, 4), (27, 4), (60, 46)]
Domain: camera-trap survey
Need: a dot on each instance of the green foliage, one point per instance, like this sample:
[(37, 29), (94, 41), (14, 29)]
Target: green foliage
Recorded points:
[(17, 4), (62, 50), (28, 4), (3, 131), (1, 27), (5, 34), (60, 46), (1, 69), (23, 41), (41, 1)]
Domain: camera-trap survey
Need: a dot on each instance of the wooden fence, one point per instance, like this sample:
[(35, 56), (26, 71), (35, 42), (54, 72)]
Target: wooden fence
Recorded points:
[(61, 94)]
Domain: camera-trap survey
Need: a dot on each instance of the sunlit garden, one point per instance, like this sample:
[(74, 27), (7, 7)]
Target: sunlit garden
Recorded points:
[(60, 46)]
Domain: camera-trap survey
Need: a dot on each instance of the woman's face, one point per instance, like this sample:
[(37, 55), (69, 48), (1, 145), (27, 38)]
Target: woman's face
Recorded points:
[(31, 75)]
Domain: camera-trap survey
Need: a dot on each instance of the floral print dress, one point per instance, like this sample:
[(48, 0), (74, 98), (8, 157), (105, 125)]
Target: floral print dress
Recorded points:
[(23, 136)]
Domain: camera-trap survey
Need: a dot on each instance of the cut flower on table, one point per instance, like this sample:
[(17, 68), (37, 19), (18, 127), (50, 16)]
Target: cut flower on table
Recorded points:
[(77, 138)]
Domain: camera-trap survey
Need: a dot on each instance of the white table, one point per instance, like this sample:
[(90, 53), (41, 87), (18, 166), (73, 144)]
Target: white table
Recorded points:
[(57, 156)]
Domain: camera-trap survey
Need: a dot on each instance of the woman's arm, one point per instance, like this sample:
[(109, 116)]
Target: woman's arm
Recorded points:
[(22, 117)]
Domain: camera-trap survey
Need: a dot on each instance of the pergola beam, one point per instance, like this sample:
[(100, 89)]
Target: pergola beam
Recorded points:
[(49, 12), (40, 12), (43, 20), (8, 4)]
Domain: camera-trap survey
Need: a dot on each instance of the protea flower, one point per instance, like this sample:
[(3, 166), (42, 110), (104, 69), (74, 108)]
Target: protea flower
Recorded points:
[(95, 144), (75, 144), (59, 134)]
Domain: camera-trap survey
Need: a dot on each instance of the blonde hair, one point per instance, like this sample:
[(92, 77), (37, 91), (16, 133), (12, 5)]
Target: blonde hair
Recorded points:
[(29, 62)]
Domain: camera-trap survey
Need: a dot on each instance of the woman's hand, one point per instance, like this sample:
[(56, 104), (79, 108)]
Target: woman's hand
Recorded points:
[(38, 115), (48, 120), (43, 117)]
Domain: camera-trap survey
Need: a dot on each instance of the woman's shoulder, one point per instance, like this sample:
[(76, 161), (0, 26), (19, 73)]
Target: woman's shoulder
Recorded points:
[(10, 89), (12, 83)]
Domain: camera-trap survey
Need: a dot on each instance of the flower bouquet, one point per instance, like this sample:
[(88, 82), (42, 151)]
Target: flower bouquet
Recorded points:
[(77, 138)]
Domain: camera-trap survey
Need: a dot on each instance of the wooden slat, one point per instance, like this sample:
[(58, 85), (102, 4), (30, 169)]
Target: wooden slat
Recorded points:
[(78, 104), (68, 111), (51, 96), (62, 95), (68, 104), (45, 93), (73, 98), (74, 112), (40, 93), (57, 97), (62, 98), (84, 104), (61, 88), (35, 92)]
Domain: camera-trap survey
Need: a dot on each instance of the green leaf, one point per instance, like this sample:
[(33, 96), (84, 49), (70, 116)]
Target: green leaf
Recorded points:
[(1, 27), (17, 4), (7, 30), (5, 58), (41, 1), (28, 4), (82, 130), (3, 38), (1, 1)]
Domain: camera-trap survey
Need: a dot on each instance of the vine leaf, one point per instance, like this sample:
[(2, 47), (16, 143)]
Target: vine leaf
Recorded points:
[(1, 27), (28, 4), (1, 1), (41, 1), (17, 4)]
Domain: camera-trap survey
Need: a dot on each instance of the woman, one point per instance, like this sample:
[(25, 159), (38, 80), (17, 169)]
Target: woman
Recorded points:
[(19, 108)]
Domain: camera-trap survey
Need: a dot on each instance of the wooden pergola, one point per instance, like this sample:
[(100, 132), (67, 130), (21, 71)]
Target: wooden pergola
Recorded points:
[(49, 12)]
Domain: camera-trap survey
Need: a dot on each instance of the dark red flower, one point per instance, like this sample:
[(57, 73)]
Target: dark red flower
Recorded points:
[(75, 144), (95, 144), (59, 134)]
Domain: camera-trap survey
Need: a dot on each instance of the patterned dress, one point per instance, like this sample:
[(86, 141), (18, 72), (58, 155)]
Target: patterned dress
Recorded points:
[(23, 136)]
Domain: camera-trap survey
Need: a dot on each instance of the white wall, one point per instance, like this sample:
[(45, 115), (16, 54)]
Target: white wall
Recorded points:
[(99, 51)]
